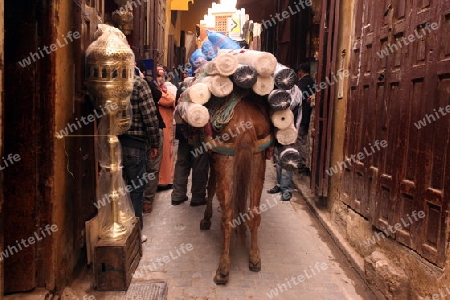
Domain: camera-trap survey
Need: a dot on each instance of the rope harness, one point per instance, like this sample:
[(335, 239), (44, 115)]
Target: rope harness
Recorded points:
[(222, 112)]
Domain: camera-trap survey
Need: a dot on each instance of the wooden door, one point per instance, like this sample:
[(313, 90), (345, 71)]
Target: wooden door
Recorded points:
[(400, 75), (21, 134), (160, 30), (323, 121)]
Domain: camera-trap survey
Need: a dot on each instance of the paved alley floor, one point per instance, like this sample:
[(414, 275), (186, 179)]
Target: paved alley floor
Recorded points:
[(299, 259)]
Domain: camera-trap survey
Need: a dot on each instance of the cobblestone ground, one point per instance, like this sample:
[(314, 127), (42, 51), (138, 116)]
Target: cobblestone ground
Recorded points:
[(292, 244)]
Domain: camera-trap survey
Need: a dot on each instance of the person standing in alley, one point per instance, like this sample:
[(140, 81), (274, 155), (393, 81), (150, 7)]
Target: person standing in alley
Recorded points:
[(284, 177), (153, 164), (189, 139), (306, 86), (142, 135), (166, 107)]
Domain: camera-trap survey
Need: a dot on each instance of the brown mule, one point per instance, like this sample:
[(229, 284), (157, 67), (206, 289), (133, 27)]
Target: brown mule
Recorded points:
[(240, 177)]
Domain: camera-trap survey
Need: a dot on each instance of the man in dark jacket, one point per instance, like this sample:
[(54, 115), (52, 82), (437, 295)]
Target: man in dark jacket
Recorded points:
[(189, 139), (307, 88), (142, 135), (153, 164)]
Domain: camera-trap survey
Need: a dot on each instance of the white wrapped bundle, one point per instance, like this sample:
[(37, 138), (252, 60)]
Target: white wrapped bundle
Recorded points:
[(282, 119), (188, 81), (289, 158), (279, 99), (263, 85), (264, 62), (194, 114), (226, 64), (206, 80), (245, 76), (198, 93), (285, 78), (287, 136), (220, 86), (210, 68)]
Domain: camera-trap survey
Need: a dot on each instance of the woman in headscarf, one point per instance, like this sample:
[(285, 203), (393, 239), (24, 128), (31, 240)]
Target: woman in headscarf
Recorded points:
[(166, 107)]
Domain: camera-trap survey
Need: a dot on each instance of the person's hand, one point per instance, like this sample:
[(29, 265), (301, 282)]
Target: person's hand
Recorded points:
[(153, 153)]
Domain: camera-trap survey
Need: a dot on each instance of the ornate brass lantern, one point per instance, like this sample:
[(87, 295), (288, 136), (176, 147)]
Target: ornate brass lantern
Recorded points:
[(124, 19), (109, 79)]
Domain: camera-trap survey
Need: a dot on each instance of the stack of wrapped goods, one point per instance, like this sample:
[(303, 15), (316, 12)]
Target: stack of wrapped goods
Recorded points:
[(247, 69)]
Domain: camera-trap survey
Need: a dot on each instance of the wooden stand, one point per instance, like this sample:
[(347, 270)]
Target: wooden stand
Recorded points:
[(115, 262)]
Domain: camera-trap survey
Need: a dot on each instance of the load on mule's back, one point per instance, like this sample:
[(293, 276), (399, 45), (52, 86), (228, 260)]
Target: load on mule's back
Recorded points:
[(237, 175)]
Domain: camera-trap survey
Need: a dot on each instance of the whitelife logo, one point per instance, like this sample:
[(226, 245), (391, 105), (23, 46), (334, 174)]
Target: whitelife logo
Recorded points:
[(360, 156), (86, 120), (243, 217), (225, 136), (287, 13), (106, 199), (442, 294), (11, 158), (182, 249), (318, 268), (53, 47), (411, 38), (432, 118), (31, 240), (393, 229)]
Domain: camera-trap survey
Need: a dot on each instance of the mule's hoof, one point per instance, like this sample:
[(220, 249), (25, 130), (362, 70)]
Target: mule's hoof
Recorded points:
[(254, 267), (205, 225), (220, 279)]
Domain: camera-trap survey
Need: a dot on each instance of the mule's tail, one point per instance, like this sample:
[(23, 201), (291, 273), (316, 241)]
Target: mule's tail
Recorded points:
[(241, 188)]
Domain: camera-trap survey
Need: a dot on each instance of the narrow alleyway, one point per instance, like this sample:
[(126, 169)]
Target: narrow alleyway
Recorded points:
[(291, 241)]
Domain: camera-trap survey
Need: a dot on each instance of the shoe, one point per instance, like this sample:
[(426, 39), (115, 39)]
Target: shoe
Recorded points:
[(143, 238), (177, 202), (275, 190), (148, 207), (286, 196)]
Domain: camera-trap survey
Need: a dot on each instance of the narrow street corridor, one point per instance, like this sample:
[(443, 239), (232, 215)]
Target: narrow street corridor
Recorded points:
[(291, 241), (98, 96)]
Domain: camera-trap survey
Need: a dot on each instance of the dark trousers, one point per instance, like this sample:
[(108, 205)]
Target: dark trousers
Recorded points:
[(186, 161), (153, 168), (134, 162), (284, 179)]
